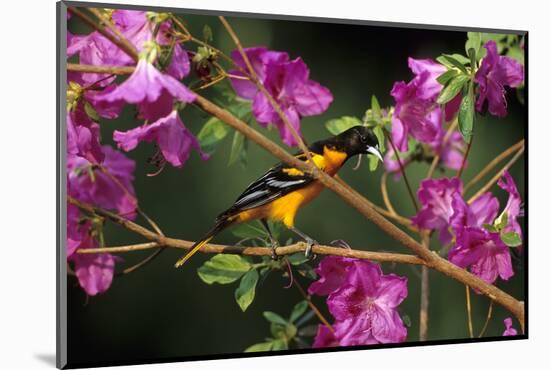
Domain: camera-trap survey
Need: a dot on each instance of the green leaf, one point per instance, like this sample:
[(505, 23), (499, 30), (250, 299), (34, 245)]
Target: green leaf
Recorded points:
[(451, 62), (502, 221), (260, 347), (237, 148), (511, 239), (447, 76), (223, 269), (452, 89), (245, 293), (249, 230), (212, 134), (279, 344), (375, 106), (274, 318), (338, 125), (373, 163), (207, 33), (473, 42), (297, 259), (90, 111), (379, 132), (407, 320), (298, 311), (472, 54), (490, 228), (466, 114), (459, 58)]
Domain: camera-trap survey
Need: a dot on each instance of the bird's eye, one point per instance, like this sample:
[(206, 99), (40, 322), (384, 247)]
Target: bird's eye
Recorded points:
[(363, 138)]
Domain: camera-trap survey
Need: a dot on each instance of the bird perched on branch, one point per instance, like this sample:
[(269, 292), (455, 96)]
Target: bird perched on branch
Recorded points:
[(283, 190)]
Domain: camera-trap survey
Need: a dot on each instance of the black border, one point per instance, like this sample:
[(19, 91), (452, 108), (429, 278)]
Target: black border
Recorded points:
[(61, 312)]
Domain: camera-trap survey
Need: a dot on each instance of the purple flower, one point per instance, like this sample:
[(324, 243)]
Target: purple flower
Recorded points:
[(513, 206), (451, 154), (493, 75), (94, 271), (259, 58), (416, 110), (114, 190), (483, 210), (510, 331), (325, 338), (83, 136), (436, 196), (332, 272), (151, 90), (289, 84), (483, 252), (175, 141), (365, 306)]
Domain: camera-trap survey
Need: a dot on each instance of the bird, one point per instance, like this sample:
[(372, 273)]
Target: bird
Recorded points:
[(280, 193)]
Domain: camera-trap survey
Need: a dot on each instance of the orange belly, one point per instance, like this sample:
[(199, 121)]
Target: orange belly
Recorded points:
[(284, 209)]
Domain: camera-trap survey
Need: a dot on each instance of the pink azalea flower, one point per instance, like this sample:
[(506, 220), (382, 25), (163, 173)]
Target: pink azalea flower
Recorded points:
[(493, 75), (513, 206), (416, 111), (101, 189), (174, 140), (483, 252), (482, 211), (153, 91), (289, 84), (332, 271), (94, 272), (83, 136), (436, 196), (259, 58), (451, 154), (510, 331), (325, 338), (365, 306)]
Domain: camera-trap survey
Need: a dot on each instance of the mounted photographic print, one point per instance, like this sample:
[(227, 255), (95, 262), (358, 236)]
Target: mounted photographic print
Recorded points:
[(236, 185)]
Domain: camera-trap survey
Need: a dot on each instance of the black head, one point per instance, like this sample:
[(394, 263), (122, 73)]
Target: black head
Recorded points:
[(355, 140)]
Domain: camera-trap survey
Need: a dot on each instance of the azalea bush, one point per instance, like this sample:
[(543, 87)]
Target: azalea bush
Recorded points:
[(150, 63)]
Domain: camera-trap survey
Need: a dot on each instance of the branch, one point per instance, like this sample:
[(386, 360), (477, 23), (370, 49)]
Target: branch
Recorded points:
[(166, 242), (114, 70), (498, 175)]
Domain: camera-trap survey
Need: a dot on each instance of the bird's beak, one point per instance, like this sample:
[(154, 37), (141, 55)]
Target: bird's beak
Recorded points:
[(375, 151)]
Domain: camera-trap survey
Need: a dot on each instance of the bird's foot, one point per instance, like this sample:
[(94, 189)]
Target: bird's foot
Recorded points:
[(274, 246), (309, 247)]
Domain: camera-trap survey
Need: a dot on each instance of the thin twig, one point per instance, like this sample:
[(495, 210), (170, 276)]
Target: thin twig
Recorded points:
[(402, 169), (312, 306), (465, 157), (424, 294), (113, 70), (497, 176), (489, 315), (469, 311), (499, 158), (384, 191)]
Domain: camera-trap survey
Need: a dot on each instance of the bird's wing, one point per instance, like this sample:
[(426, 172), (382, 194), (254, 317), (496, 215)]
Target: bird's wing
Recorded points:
[(281, 179)]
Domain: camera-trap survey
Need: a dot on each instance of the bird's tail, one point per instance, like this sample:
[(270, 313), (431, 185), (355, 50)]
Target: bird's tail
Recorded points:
[(200, 243)]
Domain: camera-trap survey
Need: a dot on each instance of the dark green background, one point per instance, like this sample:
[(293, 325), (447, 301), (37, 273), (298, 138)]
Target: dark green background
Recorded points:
[(160, 312)]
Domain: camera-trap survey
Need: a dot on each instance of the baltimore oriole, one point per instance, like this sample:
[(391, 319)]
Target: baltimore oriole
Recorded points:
[(283, 190)]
